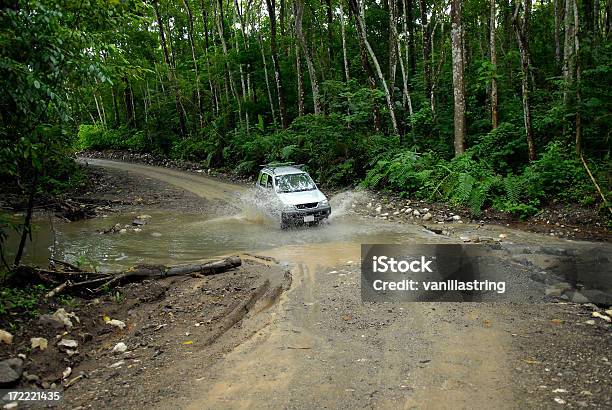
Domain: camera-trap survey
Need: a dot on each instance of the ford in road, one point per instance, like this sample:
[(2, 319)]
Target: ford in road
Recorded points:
[(292, 195)]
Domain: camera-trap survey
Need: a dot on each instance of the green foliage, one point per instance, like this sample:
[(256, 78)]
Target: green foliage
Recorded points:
[(21, 300)]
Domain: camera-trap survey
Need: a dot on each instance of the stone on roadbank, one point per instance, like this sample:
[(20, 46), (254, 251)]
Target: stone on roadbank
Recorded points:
[(6, 337), (120, 347), (39, 342), (10, 371)]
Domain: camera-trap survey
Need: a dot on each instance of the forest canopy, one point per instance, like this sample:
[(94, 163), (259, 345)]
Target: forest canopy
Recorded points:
[(499, 103)]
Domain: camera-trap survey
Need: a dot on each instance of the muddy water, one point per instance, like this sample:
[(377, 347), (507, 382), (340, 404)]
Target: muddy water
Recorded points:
[(175, 238)]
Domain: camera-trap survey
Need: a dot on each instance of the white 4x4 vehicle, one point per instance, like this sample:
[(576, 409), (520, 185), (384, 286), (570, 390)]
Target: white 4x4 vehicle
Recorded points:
[(292, 193)]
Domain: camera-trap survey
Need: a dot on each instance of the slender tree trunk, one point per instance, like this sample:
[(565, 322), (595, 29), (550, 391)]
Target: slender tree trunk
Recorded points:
[(409, 29), (129, 114), (578, 78), (569, 50), (300, 81), (365, 63), (268, 88), (219, 19), (170, 68), (314, 83), (458, 77), (195, 62), (213, 91), (330, 37), (27, 223), (521, 28), (426, 27), (392, 46), (117, 120), (282, 108), (344, 52), (557, 11), (494, 96), (362, 33)]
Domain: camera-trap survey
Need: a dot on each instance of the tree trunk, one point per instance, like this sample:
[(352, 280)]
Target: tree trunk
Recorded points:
[(521, 28), (557, 11), (392, 46), (578, 78), (300, 81), (27, 223), (409, 29), (568, 49), (344, 52), (170, 68), (330, 37), (426, 29), (219, 20), (117, 120), (268, 88), (127, 94), (195, 62), (314, 83), (458, 77), (271, 6), (494, 96), (362, 33)]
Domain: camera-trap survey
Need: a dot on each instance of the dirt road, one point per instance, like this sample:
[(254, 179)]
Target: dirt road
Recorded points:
[(320, 346)]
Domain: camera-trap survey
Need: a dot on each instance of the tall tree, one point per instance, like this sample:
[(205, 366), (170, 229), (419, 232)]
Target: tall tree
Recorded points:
[(458, 77), (426, 34), (494, 96), (521, 28), (344, 51), (282, 108), (362, 33), (170, 69), (195, 62), (298, 10)]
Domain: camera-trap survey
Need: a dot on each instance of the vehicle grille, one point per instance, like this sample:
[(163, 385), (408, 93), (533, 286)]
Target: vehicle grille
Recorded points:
[(307, 206)]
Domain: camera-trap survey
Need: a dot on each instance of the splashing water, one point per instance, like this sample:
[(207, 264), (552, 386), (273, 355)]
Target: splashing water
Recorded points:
[(343, 202)]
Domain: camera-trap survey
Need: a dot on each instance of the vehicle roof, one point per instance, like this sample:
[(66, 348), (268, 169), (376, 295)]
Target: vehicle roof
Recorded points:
[(283, 170)]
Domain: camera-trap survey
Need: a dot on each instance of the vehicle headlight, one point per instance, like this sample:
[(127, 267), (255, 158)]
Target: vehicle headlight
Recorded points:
[(324, 202)]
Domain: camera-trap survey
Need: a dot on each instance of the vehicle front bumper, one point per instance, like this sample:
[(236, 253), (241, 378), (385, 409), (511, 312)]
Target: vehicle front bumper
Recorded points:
[(297, 215)]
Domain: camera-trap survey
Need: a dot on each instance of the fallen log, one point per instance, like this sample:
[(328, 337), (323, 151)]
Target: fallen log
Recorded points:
[(104, 281)]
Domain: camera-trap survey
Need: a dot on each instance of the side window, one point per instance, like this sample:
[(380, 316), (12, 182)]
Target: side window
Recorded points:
[(262, 179), (269, 183)]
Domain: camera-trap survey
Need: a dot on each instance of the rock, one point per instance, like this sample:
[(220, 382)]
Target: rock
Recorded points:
[(115, 323), (123, 230), (427, 216), (11, 405), (456, 217), (590, 322), (68, 343), (156, 234), (416, 213), (66, 372), (120, 347), (143, 217), (137, 230), (39, 342), (378, 209), (63, 316), (559, 400), (578, 297), (408, 211), (139, 222), (32, 378), (385, 214), (10, 371), (599, 315), (608, 312), (6, 337), (50, 321), (117, 364), (396, 213), (502, 236)]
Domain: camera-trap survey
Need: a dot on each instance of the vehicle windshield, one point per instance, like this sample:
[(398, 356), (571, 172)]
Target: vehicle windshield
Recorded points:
[(294, 183)]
